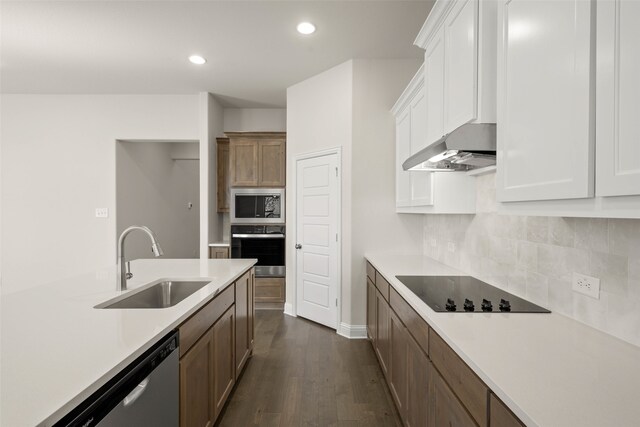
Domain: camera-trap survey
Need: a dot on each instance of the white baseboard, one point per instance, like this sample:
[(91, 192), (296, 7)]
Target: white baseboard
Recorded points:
[(288, 309), (352, 331)]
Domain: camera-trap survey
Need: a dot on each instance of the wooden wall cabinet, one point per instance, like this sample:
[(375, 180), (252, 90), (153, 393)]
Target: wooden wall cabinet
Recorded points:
[(215, 344), (257, 159), (430, 384), (222, 174)]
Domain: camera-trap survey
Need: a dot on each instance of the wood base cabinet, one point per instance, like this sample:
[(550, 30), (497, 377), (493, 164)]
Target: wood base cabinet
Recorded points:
[(444, 407), (244, 320), (430, 384), (215, 344)]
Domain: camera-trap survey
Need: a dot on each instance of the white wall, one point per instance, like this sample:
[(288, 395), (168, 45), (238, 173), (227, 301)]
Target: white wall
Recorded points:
[(58, 165), (319, 116), (348, 107), (375, 226), (211, 122), (255, 120), (154, 189)]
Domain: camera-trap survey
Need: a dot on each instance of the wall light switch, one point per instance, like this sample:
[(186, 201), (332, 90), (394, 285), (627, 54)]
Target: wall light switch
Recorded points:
[(102, 212), (589, 286), (451, 247), (433, 242)]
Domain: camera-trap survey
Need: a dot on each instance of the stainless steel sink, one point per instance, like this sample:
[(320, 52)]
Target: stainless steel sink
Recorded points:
[(161, 295)]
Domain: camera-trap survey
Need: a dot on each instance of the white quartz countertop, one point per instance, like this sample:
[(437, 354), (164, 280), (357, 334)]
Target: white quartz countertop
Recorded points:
[(549, 369), (57, 349)]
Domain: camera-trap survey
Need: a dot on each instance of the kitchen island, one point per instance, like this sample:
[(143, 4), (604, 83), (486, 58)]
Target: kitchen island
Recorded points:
[(57, 349)]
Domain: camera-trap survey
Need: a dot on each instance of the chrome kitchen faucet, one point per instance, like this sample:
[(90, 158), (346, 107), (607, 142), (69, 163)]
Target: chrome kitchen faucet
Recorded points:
[(123, 267)]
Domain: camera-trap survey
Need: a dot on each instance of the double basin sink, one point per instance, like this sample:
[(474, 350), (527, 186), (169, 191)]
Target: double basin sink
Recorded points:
[(163, 294)]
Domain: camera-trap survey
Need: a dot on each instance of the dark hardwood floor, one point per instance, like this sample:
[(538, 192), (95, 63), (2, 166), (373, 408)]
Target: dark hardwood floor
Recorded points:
[(303, 374)]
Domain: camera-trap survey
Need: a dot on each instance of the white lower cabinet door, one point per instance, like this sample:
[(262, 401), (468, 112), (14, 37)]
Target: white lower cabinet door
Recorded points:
[(546, 132), (618, 98)]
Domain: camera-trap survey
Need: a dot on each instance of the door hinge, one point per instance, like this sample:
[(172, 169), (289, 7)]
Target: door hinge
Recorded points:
[(336, 171), (336, 237), (336, 302)]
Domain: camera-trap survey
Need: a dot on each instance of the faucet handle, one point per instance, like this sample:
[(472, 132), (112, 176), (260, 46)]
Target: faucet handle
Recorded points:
[(129, 273)]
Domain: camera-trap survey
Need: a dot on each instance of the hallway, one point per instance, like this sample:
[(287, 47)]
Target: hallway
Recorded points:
[(303, 374)]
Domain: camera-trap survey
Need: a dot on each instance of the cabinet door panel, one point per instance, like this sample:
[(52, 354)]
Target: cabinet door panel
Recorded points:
[(500, 415), (398, 375), (223, 175), (434, 87), (382, 330), (244, 163), (196, 384), (224, 361), (445, 409), (421, 182), (242, 322), (271, 167), (418, 385), (403, 151), (461, 65), (371, 311), (618, 98), (545, 100)]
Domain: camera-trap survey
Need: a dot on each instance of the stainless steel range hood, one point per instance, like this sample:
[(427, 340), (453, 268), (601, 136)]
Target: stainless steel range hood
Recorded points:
[(471, 146)]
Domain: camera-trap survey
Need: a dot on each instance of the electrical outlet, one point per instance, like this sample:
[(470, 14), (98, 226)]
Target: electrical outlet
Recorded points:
[(102, 212), (589, 286), (451, 247)]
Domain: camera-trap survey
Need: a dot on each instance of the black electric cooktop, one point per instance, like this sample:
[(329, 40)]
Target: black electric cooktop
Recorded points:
[(466, 294)]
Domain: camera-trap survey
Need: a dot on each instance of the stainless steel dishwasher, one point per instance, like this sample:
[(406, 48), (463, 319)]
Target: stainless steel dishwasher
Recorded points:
[(145, 393)]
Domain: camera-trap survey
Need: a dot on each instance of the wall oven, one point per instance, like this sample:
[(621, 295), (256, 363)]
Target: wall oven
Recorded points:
[(264, 242), (257, 206)]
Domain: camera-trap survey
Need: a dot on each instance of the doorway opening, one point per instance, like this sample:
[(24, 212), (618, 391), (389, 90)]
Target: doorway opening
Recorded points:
[(158, 185)]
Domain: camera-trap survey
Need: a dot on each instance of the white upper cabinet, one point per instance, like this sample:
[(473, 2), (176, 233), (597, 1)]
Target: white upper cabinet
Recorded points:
[(546, 127), (403, 151), (461, 70), (412, 188), (618, 98), (459, 39), (434, 87)]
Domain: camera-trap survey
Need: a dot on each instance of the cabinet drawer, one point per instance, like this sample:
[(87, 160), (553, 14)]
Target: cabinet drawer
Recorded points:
[(371, 273), (416, 326), (500, 415), (470, 389), (382, 285), (270, 289), (194, 327)]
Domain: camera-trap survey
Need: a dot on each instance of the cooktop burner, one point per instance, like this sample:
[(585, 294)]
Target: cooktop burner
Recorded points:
[(466, 294)]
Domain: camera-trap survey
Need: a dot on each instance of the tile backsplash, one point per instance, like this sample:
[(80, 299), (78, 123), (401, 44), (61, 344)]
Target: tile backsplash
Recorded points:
[(535, 257)]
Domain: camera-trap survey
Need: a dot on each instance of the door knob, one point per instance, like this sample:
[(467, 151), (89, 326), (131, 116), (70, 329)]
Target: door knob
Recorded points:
[(298, 246)]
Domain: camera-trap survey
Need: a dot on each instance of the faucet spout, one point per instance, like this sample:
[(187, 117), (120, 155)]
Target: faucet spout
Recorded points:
[(122, 265)]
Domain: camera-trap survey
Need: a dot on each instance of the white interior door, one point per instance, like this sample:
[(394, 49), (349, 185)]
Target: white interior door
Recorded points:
[(317, 214)]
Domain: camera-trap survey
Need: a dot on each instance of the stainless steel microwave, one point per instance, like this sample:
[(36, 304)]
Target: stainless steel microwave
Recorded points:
[(257, 206)]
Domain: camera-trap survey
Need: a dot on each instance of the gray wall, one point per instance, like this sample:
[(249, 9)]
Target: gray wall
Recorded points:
[(153, 188)]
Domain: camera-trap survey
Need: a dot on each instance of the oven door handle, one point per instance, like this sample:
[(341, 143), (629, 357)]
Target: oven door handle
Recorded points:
[(257, 236)]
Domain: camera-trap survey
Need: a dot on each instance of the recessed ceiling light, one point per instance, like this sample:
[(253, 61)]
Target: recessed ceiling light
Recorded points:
[(306, 28), (197, 59)]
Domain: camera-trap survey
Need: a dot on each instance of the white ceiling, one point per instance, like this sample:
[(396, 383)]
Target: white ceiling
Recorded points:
[(254, 52)]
